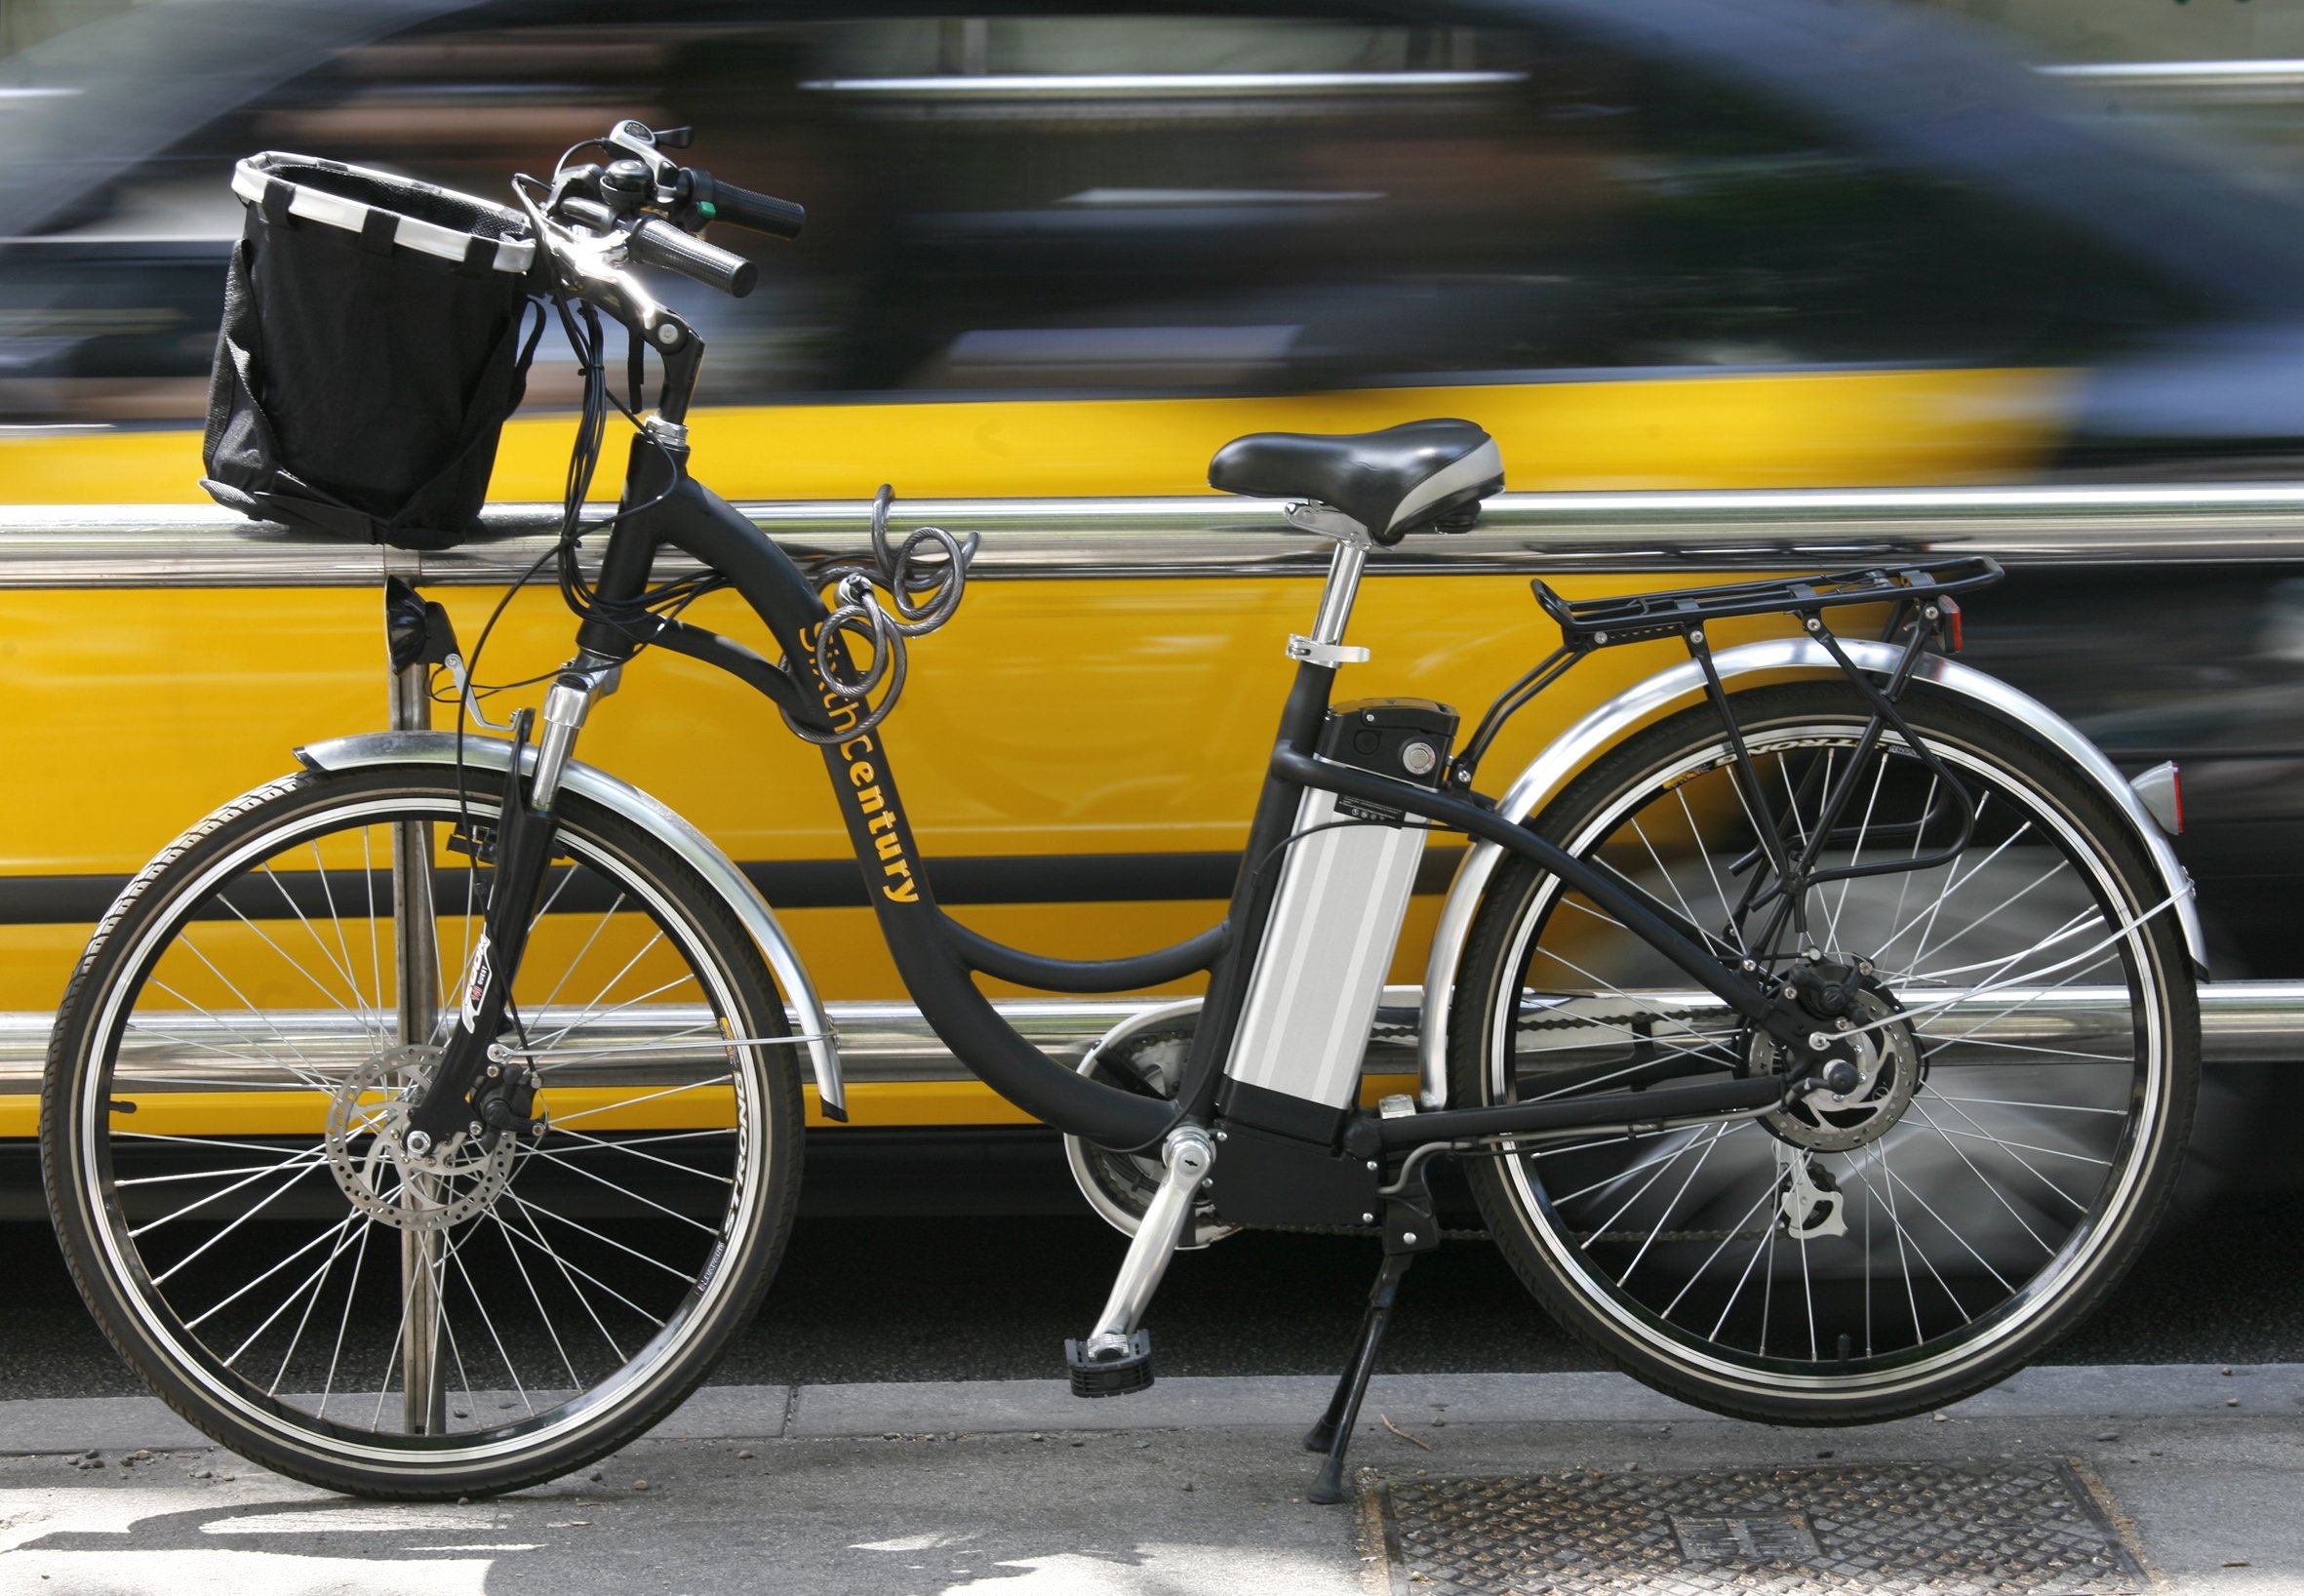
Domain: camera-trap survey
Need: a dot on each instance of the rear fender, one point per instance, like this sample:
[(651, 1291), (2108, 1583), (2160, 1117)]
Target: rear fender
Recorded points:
[(719, 871), (1671, 690)]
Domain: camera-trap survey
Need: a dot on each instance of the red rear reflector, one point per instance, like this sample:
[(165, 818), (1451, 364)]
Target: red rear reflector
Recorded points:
[(1947, 631)]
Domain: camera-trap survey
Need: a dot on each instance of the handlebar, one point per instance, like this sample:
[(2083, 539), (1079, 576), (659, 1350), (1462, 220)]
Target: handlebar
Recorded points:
[(644, 207), (654, 243), (596, 221), (721, 201)]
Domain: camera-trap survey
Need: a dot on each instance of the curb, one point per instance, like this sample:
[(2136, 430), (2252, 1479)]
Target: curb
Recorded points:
[(730, 1412)]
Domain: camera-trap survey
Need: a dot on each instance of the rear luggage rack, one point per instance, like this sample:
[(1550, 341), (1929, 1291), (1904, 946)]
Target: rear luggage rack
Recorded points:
[(1603, 622)]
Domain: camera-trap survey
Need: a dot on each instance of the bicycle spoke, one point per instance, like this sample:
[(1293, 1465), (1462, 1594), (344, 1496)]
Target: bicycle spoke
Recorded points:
[(310, 1282), (1728, 913), (1663, 1218), (534, 1236), (593, 1142)]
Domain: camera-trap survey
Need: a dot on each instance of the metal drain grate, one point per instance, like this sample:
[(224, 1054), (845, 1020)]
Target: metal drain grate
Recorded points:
[(1998, 1529)]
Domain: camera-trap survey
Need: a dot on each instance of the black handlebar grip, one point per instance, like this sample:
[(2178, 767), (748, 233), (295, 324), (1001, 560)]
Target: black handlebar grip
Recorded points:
[(654, 243), (761, 213)]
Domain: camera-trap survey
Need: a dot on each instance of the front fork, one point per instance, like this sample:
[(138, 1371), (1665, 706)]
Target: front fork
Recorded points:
[(470, 1093)]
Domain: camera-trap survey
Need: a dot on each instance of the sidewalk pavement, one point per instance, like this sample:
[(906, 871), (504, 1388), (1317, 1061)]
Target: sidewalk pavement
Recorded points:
[(1194, 1487)]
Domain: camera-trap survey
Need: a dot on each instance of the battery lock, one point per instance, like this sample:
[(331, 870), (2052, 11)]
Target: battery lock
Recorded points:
[(1405, 739)]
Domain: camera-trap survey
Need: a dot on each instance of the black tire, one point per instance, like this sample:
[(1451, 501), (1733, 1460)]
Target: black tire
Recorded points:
[(1996, 1172), (217, 1138)]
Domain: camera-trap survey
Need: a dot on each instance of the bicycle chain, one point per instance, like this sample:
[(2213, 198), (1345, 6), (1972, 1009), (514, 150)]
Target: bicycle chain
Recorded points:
[(1356, 1230), (1621, 1238), (1383, 1031)]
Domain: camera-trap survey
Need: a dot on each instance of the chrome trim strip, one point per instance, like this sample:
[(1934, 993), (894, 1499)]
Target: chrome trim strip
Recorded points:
[(1684, 683), (654, 817), (2249, 1021), (2183, 74), (106, 545), (1149, 85)]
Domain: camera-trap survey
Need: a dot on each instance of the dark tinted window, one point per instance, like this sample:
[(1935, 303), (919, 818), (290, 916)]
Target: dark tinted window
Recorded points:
[(1225, 205)]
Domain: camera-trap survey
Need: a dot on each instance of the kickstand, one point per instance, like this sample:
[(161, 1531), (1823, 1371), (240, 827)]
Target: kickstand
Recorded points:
[(1333, 1433), (1409, 1229)]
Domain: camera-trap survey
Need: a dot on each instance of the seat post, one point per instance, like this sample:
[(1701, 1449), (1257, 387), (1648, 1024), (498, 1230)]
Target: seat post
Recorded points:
[(1335, 598), (1326, 646)]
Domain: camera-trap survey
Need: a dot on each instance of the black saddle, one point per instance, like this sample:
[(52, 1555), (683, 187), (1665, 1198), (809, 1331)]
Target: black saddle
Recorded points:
[(1394, 482)]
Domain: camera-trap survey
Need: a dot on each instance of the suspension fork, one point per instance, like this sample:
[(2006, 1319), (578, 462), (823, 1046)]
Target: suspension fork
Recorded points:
[(524, 847)]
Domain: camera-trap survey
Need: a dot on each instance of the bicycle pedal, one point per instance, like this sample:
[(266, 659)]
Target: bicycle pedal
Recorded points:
[(1111, 1377)]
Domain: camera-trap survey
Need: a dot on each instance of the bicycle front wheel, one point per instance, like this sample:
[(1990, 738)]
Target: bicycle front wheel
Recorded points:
[(222, 1121), (2029, 1049)]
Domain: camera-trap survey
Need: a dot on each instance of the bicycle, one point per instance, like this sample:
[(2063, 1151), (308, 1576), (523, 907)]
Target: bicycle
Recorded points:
[(1817, 1022)]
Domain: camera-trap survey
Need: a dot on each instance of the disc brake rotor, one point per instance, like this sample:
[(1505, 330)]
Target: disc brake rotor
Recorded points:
[(365, 1143), (1887, 1072)]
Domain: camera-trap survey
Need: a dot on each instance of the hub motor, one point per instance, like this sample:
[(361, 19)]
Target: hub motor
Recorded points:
[(1887, 1065)]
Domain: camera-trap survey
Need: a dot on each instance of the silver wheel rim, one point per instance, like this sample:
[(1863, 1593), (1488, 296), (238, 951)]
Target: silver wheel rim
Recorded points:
[(598, 1327), (1574, 1224)]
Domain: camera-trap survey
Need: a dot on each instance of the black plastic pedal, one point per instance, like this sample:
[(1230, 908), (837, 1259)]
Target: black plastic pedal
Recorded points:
[(1111, 1377)]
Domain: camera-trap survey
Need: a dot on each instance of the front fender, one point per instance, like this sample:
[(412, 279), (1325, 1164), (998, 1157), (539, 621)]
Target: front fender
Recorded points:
[(1670, 690), (720, 872)]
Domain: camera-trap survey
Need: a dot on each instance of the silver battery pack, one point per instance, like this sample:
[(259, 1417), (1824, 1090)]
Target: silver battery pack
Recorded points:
[(1336, 916)]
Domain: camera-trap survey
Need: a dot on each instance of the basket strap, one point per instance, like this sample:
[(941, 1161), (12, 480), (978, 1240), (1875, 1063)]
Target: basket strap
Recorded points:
[(378, 230), (479, 257), (278, 197)]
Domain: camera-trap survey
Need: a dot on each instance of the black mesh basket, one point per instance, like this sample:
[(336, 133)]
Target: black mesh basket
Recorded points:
[(369, 354)]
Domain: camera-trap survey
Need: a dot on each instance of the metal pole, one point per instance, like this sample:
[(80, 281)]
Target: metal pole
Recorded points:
[(416, 958)]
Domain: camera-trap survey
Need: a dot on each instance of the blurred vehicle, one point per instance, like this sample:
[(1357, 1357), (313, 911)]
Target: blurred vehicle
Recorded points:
[(1888, 255), (1070, 251)]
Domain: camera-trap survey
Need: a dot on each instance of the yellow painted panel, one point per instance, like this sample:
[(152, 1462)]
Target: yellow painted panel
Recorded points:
[(1051, 718), (1836, 428), (1109, 716)]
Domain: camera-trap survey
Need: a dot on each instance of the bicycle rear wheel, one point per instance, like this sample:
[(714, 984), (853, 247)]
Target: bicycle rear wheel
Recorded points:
[(2031, 1059), (222, 1135)]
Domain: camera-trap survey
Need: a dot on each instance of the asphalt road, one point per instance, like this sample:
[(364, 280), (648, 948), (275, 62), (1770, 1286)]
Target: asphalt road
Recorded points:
[(986, 1299)]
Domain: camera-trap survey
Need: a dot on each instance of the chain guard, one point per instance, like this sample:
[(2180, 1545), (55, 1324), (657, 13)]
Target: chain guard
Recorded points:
[(1119, 1186)]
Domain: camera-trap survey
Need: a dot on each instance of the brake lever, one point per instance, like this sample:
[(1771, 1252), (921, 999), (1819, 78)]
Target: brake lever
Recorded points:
[(591, 270), (453, 664)]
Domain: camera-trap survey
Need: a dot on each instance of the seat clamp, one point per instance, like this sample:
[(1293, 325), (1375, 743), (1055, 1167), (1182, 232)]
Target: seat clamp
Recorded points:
[(1313, 516), (1330, 654)]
